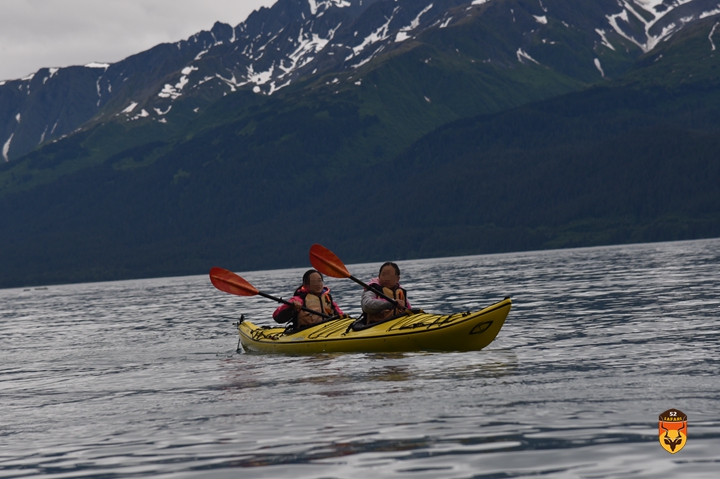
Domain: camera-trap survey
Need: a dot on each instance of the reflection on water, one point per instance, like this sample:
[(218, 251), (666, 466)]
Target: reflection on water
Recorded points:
[(141, 378)]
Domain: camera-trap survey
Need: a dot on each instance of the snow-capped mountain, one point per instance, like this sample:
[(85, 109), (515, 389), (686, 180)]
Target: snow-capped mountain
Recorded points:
[(306, 39)]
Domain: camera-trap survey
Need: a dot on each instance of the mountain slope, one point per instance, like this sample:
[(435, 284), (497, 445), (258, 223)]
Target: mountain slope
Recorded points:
[(296, 39), (252, 180), (634, 160), (418, 85)]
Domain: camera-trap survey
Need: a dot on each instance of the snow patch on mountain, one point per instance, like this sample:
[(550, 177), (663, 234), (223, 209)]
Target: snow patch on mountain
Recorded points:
[(653, 4), (604, 39), (99, 92), (382, 33), (658, 10), (231, 82), (259, 78), (522, 54), (169, 91), (174, 92), (6, 147), (130, 108), (316, 4), (709, 13), (403, 33), (370, 57), (599, 67), (143, 114), (308, 46)]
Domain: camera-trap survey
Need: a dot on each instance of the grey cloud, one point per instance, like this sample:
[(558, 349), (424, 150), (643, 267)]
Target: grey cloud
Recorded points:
[(59, 33)]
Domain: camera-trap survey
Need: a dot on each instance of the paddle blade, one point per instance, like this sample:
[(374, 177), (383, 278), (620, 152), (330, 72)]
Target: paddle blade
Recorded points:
[(327, 263), (229, 282)]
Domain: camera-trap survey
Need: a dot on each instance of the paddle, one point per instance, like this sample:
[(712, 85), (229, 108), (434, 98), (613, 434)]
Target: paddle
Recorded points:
[(229, 282), (329, 264)]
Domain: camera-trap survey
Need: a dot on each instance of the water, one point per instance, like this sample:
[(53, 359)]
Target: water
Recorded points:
[(141, 378)]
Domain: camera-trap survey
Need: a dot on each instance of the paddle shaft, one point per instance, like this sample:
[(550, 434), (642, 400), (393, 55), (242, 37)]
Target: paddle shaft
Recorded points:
[(379, 293), (327, 262), (290, 303)]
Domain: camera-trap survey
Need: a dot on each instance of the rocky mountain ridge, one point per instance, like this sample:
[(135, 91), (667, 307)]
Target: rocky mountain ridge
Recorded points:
[(310, 39)]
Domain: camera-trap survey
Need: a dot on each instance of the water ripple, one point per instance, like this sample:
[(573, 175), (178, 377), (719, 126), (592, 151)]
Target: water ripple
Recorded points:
[(141, 378)]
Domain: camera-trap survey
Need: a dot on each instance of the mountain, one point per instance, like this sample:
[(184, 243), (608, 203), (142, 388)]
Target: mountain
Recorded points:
[(633, 160), (382, 128), (295, 39)]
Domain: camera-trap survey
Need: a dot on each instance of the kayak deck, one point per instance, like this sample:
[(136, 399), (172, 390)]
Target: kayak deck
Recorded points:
[(467, 331)]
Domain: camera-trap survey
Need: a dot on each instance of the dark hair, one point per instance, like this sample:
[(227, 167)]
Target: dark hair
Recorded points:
[(390, 263), (306, 276)]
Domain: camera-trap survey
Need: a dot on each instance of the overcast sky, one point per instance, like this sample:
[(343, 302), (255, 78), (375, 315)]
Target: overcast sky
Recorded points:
[(60, 33)]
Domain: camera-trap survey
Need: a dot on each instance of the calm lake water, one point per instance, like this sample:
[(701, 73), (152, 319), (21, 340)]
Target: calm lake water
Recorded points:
[(141, 378)]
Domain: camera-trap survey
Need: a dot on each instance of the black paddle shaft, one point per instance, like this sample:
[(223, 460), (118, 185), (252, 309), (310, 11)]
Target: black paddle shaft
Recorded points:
[(290, 303), (379, 293)]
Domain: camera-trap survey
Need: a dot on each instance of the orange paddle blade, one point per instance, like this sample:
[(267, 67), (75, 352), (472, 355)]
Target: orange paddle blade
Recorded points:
[(327, 263), (229, 282)]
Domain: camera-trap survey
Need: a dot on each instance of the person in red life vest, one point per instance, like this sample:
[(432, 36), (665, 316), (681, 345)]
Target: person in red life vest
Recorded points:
[(314, 295), (375, 306)]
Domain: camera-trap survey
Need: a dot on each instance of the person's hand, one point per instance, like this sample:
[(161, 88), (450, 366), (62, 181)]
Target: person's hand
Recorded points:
[(296, 304), (396, 306)]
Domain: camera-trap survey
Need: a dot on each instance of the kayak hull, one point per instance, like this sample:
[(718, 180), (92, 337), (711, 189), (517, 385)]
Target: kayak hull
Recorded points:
[(468, 331)]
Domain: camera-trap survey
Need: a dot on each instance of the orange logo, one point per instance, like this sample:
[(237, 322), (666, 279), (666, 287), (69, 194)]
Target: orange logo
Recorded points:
[(673, 430)]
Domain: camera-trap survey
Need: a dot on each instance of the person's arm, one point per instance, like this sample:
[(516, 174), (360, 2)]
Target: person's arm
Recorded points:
[(371, 305), (285, 312)]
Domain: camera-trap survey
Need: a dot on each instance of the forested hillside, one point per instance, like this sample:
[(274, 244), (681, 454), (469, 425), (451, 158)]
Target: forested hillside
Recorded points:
[(425, 151)]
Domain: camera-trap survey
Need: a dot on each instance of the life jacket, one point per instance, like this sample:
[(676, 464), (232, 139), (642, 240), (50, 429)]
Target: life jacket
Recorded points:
[(321, 304), (398, 293)]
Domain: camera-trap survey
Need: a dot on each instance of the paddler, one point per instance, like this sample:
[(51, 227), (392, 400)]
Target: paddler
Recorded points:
[(375, 306), (314, 295)]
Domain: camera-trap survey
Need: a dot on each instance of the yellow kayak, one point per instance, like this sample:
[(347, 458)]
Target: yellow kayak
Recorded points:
[(468, 331)]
